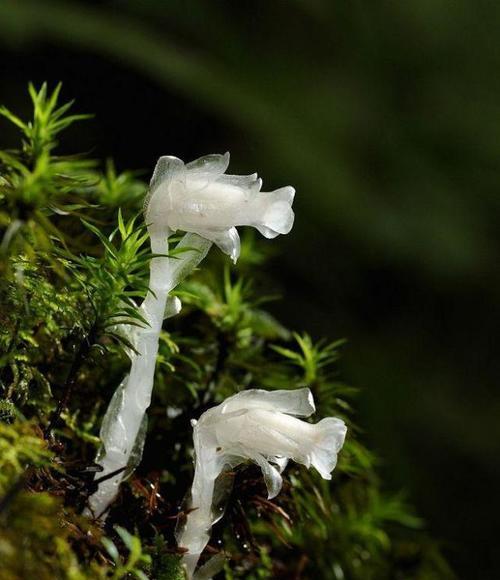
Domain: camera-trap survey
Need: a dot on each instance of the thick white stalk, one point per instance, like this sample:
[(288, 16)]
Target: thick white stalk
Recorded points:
[(135, 392)]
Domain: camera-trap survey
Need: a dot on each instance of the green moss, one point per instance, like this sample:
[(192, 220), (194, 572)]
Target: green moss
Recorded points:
[(68, 287)]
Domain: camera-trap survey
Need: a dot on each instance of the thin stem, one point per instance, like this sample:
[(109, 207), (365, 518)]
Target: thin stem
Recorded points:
[(78, 360)]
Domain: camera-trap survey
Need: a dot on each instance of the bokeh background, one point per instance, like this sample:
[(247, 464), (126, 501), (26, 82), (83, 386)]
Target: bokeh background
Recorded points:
[(386, 117)]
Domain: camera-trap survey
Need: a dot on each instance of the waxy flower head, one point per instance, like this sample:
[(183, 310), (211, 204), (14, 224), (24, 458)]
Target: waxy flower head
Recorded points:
[(258, 426), (263, 427), (199, 197)]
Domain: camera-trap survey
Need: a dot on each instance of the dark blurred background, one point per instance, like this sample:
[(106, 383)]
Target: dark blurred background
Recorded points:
[(386, 117)]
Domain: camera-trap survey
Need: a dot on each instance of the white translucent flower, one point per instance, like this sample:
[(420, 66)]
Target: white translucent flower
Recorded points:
[(199, 197), (259, 426)]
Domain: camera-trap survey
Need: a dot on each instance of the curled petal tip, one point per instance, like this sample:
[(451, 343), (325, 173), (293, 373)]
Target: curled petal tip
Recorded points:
[(310, 400), (214, 164)]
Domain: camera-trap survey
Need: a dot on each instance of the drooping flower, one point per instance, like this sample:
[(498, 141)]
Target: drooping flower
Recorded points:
[(262, 427), (199, 197)]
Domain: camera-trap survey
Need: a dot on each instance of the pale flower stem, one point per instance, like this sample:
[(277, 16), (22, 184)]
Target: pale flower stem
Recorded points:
[(260, 426), (196, 533), (137, 389)]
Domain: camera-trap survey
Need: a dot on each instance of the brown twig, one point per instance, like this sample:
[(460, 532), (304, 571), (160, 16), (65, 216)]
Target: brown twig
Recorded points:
[(78, 360)]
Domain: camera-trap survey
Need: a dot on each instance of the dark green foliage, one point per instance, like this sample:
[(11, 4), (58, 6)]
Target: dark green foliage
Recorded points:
[(64, 303), (135, 558), (115, 281), (35, 320)]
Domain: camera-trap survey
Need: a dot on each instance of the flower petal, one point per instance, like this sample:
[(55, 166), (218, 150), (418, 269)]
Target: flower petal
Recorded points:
[(277, 216), (267, 232), (167, 169), (249, 182), (280, 462), (213, 165), (272, 477), (227, 240), (297, 402), (330, 437)]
